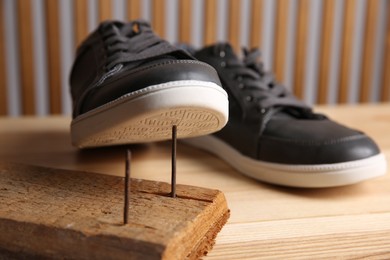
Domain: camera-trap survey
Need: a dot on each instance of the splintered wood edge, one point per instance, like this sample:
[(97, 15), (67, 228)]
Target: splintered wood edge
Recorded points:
[(203, 212)]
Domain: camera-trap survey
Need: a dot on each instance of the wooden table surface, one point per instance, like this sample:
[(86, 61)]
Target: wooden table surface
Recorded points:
[(267, 222)]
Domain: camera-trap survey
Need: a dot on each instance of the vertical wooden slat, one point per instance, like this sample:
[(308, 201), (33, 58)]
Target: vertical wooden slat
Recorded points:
[(255, 36), (53, 55), (234, 23), (158, 20), (325, 50), (385, 91), (346, 51), (369, 50), (185, 21), (281, 38), (81, 20), (300, 47), (210, 22), (26, 56), (133, 9), (105, 10), (3, 72)]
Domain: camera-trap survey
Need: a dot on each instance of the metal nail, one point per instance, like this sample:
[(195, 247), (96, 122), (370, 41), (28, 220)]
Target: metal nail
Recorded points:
[(173, 176)]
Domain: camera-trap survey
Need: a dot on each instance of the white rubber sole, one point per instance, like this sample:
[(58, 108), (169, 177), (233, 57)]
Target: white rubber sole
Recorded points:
[(307, 176), (196, 107)]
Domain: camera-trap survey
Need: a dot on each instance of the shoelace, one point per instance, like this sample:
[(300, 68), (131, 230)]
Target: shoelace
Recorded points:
[(134, 41), (261, 86)]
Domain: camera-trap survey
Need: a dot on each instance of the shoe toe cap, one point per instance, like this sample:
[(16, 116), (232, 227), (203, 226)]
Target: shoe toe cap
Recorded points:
[(334, 143)]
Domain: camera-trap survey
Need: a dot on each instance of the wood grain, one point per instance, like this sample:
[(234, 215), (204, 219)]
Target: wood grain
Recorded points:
[(281, 39), (385, 89), (234, 24), (256, 29), (133, 9), (210, 22), (26, 56), (81, 20), (3, 70), (301, 47), (158, 14), (346, 49), (105, 10), (346, 222), (325, 53), (50, 213), (367, 70), (185, 7), (53, 55)]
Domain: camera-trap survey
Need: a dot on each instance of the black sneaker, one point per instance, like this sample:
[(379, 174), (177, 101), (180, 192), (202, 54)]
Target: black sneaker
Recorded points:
[(130, 86), (273, 137)]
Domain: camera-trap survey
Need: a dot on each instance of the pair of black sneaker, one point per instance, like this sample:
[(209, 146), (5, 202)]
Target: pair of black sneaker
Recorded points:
[(130, 86)]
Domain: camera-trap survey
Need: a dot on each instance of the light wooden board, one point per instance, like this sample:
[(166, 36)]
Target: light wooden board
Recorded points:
[(47, 212), (267, 222)]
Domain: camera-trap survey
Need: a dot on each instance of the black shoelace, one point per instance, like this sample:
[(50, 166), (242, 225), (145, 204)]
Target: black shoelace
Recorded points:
[(131, 42), (260, 86)]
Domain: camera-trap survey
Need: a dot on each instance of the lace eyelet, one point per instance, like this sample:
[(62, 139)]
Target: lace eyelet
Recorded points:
[(222, 54), (241, 85), (249, 98), (261, 110), (223, 64), (239, 78)]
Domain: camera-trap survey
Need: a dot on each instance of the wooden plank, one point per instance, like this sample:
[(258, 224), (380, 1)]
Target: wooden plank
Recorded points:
[(185, 7), (26, 56), (158, 14), (133, 9), (256, 29), (367, 70), (385, 90), (53, 55), (3, 70), (300, 47), (105, 10), (234, 23), (81, 20), (326, 50), (346, 49), (210, 22), (50, 213), (345, 219), (281, 39)]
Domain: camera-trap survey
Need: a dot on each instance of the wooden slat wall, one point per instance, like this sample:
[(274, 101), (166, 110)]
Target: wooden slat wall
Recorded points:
[(234, 25), (158, 20), (346, 52), (133, 8), (385, 90), (53, 51), (105, 10), (26, 56), (369, 50), (281, 39), (3, 71), (255, 35), (210, 23), (185, 21), (300, 47), (81, 20), (325, 51)]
